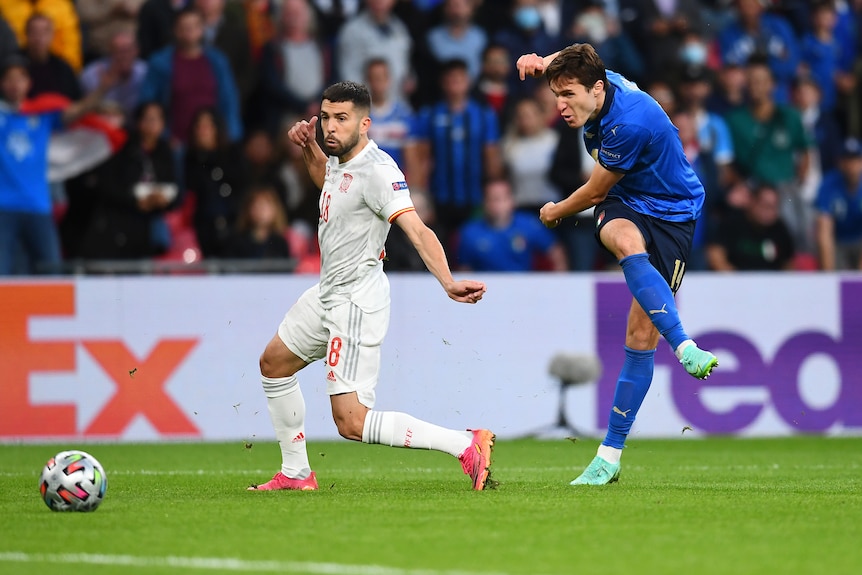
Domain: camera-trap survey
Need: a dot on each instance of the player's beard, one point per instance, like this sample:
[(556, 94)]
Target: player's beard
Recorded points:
[(341, 149)]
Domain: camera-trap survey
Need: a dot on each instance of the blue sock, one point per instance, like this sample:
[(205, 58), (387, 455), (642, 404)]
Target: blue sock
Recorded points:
[(632, 386), (654, 296)]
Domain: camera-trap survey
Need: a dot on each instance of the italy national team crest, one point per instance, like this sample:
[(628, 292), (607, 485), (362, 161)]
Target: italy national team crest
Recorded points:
[(600, 219), (345, 183)]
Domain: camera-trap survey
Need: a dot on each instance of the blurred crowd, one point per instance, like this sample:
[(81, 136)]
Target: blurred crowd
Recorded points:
[(195, 98)]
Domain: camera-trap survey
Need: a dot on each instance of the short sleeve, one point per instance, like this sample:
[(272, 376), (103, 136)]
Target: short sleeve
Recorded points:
[(420, 126), (823, 199), (387, 194), (621, 146)]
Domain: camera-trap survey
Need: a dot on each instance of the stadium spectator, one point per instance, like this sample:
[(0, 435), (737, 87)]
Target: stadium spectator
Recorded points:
[(492, 87), (756, 33), (376, 33), (604, 33), (754, 238), (137, 187), (822, 128), (66, 39), (504, 239), (391, 121), (260, 162), (294, 66), (301, 196), (522, 35), (344, 318), (528, 151), (454, 147), (225, 29), (666, 24), (26, 223), (102, 20), (156, 24), (261, 228), (714, 142), (8, 41), (458, 38), (122, 61), (188, 76), (824, 58), (49, 73), (662, 92), (772, 147), (729, 91), (260, 25), (839, 212), (214, 178)]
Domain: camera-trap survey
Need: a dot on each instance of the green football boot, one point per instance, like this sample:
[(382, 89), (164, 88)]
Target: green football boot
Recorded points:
[(598, 472)]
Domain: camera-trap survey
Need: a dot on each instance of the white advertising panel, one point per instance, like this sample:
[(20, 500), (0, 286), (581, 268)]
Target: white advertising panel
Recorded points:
[(176, 358)]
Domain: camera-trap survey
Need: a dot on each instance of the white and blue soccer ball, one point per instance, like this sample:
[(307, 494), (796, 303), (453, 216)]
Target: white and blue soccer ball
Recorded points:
[(73, 481)]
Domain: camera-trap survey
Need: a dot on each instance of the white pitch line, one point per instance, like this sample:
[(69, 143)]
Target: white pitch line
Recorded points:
[(223, 564)]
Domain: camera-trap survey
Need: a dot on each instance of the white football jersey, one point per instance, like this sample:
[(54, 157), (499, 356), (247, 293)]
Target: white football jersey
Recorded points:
[(359, 200)]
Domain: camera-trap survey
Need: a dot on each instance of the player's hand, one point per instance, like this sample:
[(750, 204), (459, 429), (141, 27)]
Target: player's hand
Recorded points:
[(466, 291), (549, 220), (303, 132), (530, 65)]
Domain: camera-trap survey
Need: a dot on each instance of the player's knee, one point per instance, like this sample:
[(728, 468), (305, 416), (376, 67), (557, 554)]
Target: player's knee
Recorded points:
[(349, 425)]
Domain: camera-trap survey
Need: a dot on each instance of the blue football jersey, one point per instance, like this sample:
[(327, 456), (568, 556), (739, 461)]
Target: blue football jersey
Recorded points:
[(633, 135)]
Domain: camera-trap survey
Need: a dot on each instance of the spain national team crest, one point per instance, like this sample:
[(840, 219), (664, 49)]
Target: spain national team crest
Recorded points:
[(345, 183), (600, 219)]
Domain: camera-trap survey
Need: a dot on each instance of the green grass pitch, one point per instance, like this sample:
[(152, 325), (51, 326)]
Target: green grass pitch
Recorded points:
[(693, 506)]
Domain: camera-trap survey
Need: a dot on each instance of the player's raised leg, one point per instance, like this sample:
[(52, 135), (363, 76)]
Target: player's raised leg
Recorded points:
[(286, 407), (357, 422)]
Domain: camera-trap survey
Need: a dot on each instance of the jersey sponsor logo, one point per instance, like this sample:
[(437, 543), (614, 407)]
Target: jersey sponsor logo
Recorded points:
[(346, 180), (399, 186), (610, 154), (614, 130), (330, 376)]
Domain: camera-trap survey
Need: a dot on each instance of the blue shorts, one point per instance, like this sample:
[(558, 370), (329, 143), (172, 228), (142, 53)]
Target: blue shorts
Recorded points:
[(667, 243)]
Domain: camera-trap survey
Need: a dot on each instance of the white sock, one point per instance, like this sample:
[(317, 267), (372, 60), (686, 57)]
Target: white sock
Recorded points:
[(398, 429), (678, 351), (610, 454), (287, 412)]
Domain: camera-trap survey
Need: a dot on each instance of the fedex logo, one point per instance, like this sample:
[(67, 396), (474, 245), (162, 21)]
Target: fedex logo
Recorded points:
[(748, 369), (139, 381)]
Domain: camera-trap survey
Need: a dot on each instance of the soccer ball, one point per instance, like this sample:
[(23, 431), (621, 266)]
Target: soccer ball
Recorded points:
[(73, 481)]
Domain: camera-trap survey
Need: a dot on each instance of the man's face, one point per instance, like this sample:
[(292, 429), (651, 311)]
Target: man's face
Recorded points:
[(456, 84), (760, 84), (210, 7), (15, 85), (40, 34), (496, 65), (342, 126), (189, 30), (851, 167), (378, 82), (124, 51), (575, 102), (499, 203), (764, 209), (458, 11)]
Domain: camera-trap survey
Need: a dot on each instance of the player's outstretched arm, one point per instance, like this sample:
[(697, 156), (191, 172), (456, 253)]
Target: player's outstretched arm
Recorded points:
[(428, 245), (533, 64), (304, 135)]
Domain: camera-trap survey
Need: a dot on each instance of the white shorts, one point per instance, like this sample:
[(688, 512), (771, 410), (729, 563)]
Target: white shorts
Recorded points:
[(346, 337)]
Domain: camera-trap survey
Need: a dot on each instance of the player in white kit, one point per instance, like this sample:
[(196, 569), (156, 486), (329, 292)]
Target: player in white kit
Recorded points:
[(344, 318)]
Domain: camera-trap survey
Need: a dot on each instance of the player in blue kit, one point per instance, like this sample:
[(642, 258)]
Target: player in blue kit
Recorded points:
[(647, 199)]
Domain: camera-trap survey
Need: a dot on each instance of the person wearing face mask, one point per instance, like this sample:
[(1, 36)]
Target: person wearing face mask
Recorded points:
[(523, 35)]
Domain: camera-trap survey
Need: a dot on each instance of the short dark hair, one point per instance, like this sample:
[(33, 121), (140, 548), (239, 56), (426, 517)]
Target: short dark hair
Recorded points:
[(452, 65), (353, 92), (185, 12), (38, 16), (578, 62)]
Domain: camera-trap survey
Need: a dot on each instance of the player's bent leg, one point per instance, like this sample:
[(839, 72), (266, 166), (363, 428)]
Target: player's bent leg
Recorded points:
[(472, 447)]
